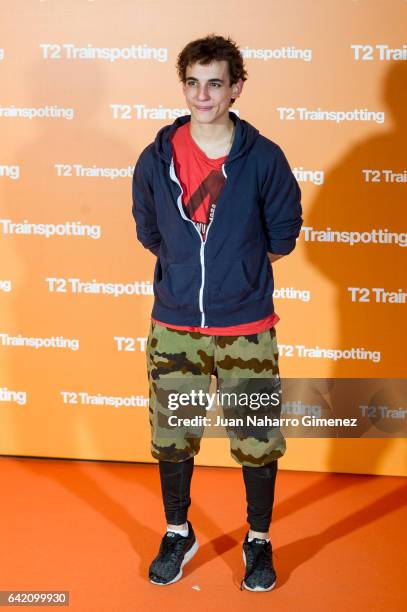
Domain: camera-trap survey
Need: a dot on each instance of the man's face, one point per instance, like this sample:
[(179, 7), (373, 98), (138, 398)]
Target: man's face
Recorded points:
[(208, 91)]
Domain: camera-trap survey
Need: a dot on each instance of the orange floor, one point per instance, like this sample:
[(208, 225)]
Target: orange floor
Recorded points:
[(91, 528)]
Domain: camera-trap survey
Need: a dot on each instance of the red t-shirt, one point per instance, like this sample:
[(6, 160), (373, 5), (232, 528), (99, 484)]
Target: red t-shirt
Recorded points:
[(202, 180)]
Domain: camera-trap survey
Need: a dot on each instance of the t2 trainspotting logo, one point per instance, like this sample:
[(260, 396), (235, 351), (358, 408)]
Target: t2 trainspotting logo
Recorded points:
[(301, 113), (309, 176), (93, 287), (385, 176), (11, 172), (378, 295), (141, 111), (39, 343), (79, 170), (334, 354), (13, 396), (383, 53), (124, 343), (281, 53), (39, 112), (70, 51), (374, 236), (98, 399), (69, 228)]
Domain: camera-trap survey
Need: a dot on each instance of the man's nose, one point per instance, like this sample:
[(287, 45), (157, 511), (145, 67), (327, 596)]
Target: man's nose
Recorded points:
[(203, 92)]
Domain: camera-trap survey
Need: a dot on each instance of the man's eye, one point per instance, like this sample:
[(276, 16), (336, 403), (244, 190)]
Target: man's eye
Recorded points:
[(193, 83)]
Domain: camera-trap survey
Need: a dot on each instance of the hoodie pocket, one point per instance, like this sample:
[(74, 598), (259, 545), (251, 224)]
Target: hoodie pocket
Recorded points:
[(179, 286), (240, 281), (229, 282)]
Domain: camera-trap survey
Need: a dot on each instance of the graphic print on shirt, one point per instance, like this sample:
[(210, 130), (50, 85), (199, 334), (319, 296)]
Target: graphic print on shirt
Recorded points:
[(201, 178), (201, 205)]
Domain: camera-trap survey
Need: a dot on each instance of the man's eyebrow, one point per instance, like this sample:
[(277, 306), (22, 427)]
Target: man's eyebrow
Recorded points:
[(191, 78)]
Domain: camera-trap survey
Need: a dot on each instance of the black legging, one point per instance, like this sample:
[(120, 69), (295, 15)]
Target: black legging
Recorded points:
[(259, 483)]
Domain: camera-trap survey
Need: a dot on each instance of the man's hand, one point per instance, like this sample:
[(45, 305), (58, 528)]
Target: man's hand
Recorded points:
[(273, 257)]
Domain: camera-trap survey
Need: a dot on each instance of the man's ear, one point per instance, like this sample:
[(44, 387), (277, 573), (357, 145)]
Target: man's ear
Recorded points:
[(237, 88)]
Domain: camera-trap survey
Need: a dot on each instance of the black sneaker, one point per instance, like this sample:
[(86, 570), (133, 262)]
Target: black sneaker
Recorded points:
[(175, 551), (257, 557)]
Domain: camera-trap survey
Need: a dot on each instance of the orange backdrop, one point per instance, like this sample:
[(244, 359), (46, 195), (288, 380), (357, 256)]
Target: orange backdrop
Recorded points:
[(85, 87)]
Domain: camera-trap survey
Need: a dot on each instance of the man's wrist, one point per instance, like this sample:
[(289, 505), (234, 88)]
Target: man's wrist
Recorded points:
[(273, 257)]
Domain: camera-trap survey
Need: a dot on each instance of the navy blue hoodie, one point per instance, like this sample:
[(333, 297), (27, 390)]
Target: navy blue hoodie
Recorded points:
[(228, 279)]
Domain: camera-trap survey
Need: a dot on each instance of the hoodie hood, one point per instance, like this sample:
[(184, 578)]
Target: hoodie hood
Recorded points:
[(245, 137)]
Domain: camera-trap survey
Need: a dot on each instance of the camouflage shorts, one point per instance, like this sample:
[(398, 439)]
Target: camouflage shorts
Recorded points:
[(180, 361)]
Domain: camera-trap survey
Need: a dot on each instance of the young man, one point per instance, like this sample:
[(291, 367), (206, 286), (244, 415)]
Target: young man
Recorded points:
[(213, 311)]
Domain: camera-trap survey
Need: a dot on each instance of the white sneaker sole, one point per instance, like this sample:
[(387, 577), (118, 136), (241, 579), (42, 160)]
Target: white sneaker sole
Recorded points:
[(257, 589), (188, 556)]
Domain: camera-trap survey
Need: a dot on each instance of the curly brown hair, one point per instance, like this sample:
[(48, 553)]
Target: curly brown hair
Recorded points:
[(209, 49)]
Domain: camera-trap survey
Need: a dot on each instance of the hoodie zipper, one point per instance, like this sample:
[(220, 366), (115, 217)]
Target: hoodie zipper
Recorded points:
[(174, 178)]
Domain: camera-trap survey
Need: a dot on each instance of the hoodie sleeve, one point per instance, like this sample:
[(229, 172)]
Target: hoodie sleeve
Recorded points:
[(281, 197), (144, 212)]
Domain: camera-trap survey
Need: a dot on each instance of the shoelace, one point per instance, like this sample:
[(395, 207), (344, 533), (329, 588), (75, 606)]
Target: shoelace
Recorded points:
[(171, 546), (261, 560)]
